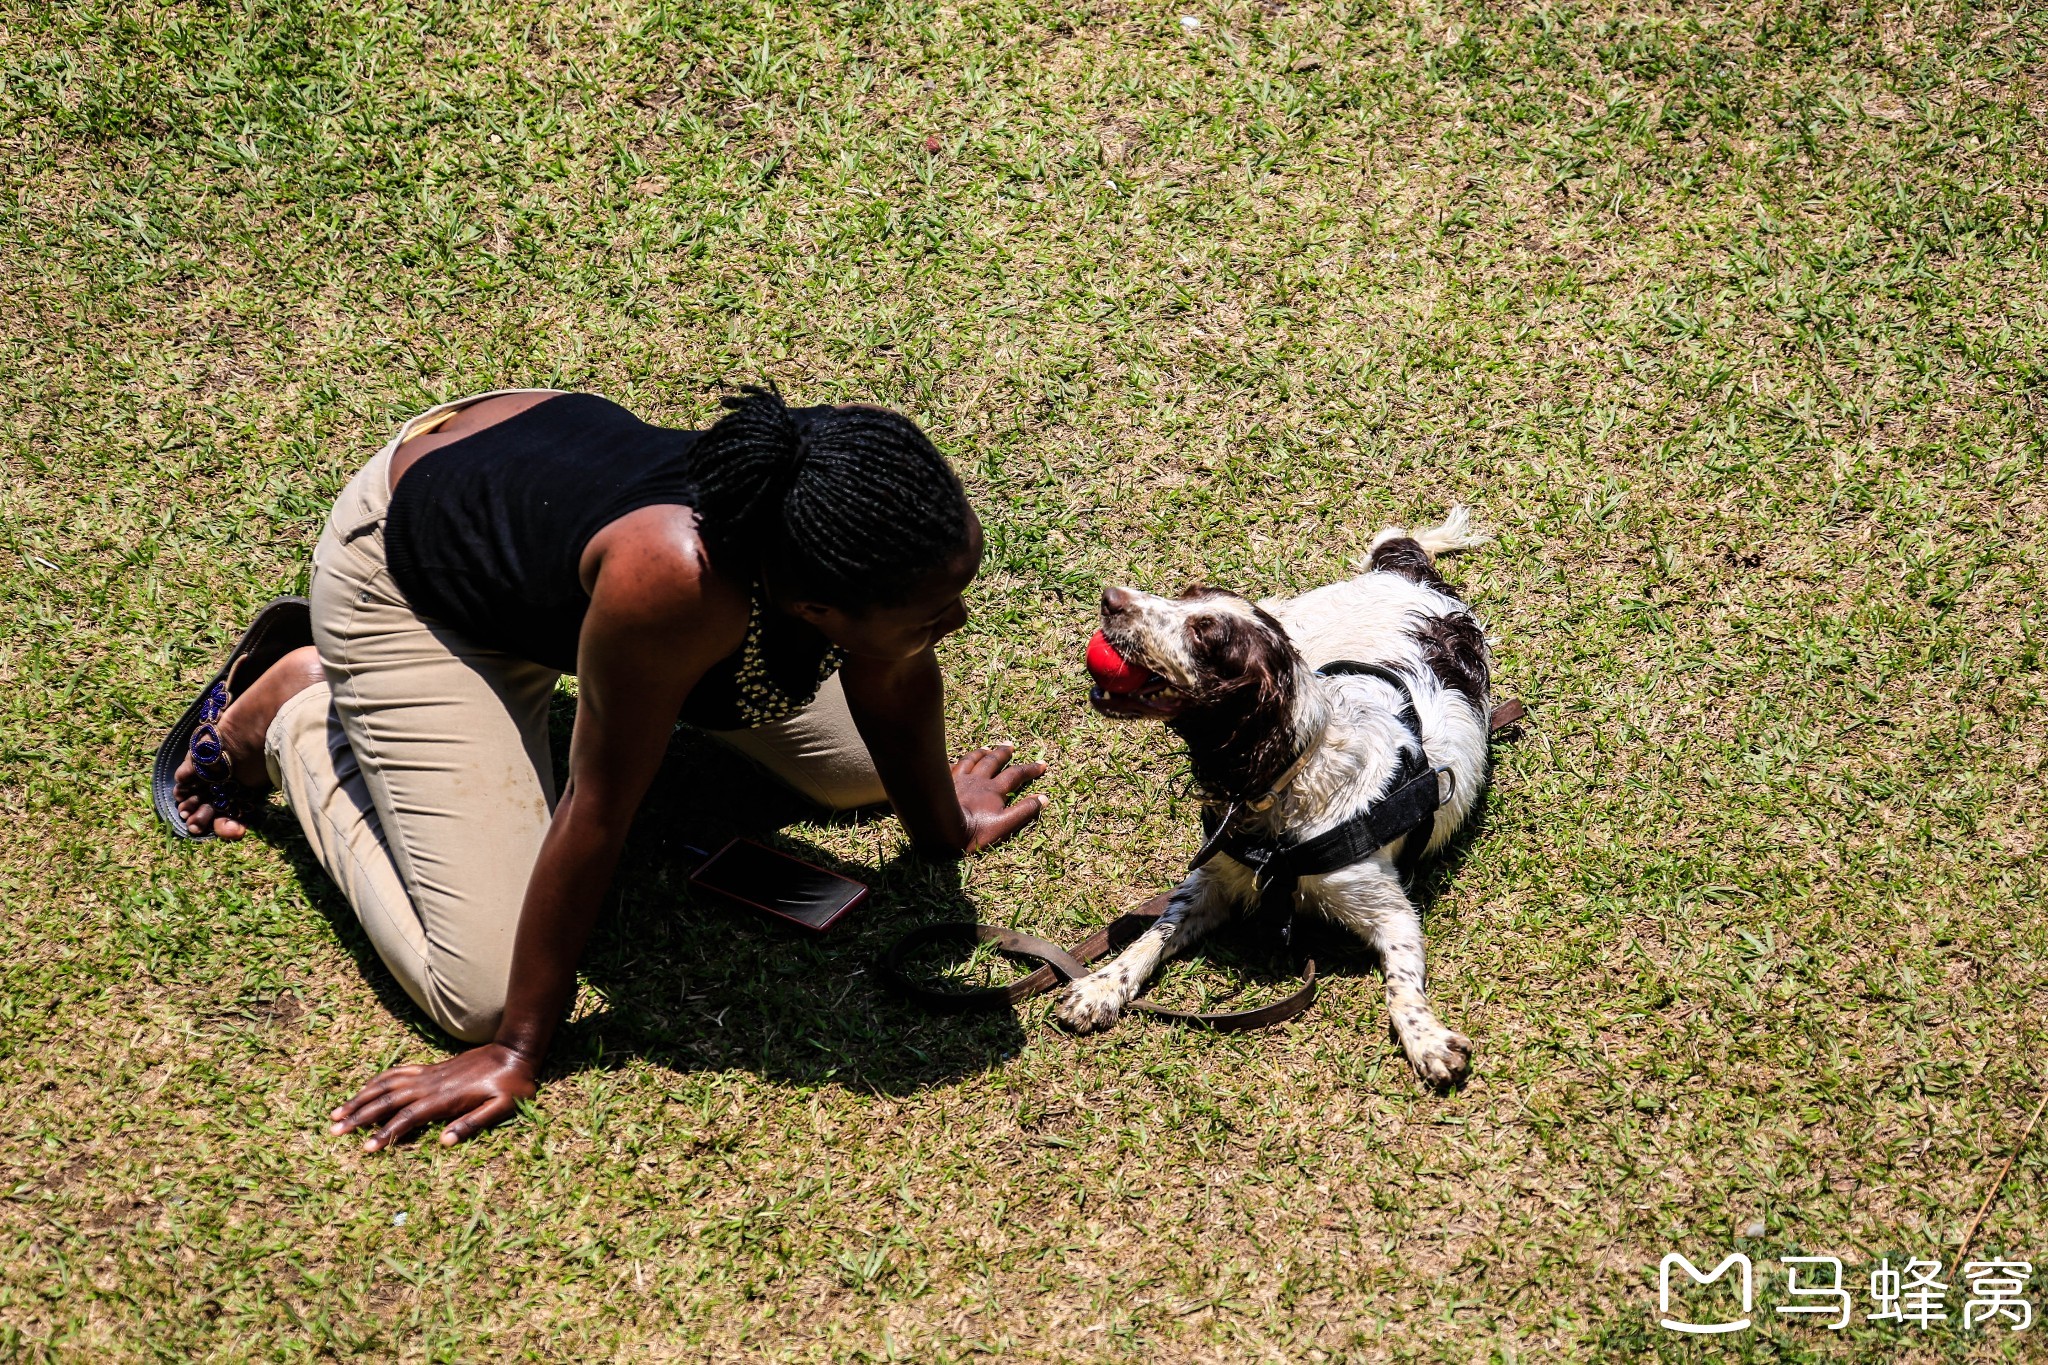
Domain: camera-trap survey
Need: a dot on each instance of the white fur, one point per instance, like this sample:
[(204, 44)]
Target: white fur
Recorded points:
[(1367, 619)]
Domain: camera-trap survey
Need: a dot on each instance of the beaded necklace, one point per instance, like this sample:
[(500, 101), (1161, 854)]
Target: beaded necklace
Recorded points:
[(756, 697)]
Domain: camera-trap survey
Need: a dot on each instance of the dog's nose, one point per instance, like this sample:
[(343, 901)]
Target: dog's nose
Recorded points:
[(1115, 601)]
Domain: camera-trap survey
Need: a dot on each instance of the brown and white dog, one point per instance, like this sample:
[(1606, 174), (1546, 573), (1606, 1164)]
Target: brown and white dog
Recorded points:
[(1238, 682)]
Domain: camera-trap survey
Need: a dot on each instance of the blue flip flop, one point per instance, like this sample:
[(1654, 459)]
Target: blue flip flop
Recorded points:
[(283, 625)]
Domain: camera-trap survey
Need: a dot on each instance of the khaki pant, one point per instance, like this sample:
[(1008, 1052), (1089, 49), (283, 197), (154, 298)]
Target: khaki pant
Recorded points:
[(421, 774)]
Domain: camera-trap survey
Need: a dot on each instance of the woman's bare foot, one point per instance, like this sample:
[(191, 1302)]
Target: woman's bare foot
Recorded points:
[(242, 728)]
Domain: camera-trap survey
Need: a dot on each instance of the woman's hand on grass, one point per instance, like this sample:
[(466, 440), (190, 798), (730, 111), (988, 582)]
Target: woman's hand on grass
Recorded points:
[(470, 1092), (985, 781)]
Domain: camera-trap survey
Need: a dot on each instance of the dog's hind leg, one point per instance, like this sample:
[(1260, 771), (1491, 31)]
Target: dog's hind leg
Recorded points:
[(1196, 907), (1367, 899)]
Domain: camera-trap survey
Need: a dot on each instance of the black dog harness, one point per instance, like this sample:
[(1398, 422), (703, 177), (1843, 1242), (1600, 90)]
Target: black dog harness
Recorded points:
[(1278, 865)]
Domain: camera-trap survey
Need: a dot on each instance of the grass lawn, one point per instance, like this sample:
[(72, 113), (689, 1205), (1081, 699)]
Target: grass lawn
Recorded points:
[(1729, 320)]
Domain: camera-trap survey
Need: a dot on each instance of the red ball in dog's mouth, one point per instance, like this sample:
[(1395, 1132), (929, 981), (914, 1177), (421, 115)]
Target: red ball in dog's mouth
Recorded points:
[(1126, 690), (1113, 673)]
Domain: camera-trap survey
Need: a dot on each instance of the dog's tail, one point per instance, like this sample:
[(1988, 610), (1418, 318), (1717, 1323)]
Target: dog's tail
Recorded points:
[(1395, 544)]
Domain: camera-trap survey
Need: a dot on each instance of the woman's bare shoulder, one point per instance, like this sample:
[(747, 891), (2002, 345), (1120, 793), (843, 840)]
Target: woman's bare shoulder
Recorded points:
[(649, 565)]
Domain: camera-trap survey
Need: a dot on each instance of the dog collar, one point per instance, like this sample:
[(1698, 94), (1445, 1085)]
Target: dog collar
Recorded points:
[(1260, 804)]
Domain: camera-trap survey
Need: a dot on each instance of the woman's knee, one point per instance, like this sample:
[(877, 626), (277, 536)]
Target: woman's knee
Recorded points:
[(469, 1024), (835, 776), (468, 1010), (849, 790)]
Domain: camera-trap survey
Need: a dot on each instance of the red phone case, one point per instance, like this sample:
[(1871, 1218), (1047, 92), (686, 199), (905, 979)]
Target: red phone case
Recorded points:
[(759, 850)]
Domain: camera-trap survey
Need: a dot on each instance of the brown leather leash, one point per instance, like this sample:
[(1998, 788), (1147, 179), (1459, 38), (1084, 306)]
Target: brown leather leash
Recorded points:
[(1062, 965)]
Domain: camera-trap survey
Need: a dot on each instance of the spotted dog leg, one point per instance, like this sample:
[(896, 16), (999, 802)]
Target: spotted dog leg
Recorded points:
[(1197, 906), (1367, 899)]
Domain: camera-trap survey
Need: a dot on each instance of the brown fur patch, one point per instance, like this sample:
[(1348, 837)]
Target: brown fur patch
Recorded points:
[(1405, 556), (1455, 648)]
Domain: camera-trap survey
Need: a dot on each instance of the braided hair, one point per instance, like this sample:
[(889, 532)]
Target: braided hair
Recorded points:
[(853, 506)]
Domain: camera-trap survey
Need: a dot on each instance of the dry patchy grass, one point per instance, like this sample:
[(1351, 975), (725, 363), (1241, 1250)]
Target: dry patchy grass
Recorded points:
[(1729, 318)]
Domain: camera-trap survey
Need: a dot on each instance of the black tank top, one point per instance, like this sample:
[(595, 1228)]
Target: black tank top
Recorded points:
[(485, 534)]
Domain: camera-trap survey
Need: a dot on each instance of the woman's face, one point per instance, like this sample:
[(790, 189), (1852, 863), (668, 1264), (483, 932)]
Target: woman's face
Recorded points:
[(909, 628)]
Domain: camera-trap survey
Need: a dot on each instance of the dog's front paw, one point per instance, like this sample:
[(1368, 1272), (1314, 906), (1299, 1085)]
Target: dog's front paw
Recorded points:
[(1442, 1057), (1090, 1004)]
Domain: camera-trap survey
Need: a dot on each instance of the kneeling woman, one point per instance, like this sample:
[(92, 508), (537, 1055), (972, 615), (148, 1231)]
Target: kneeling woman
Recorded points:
[(780, 579)]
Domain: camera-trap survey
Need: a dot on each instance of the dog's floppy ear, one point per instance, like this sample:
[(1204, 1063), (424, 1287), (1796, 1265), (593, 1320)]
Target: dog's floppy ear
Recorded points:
[(1247, 653), (1238, 732), (1272, 656)]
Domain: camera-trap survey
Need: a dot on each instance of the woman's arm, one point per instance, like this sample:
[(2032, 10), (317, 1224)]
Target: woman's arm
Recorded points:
[(899, 709), (655, 625), (637, 660)]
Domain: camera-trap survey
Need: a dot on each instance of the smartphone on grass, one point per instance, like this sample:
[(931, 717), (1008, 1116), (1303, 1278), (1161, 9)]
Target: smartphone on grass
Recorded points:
[(765, 879)]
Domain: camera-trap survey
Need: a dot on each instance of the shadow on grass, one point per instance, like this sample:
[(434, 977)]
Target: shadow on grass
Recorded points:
[(693, 983)]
